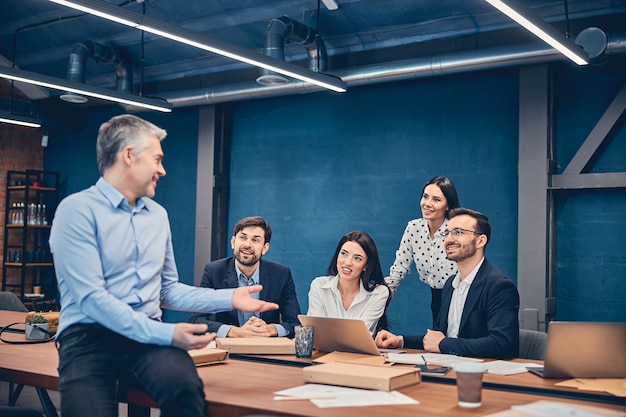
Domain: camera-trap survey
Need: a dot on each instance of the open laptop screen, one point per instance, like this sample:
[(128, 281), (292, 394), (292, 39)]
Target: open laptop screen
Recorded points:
[(340, 335), (585, 350)]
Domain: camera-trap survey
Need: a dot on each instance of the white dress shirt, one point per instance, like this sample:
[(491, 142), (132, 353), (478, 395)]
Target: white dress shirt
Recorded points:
[(325, 301), (459, 295)]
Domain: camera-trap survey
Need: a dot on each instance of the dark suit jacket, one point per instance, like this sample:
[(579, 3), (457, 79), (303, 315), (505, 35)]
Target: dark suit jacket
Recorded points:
[(489, 324), (278, 287)]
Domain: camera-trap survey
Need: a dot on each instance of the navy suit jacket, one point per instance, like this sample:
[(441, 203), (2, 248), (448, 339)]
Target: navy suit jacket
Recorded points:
[(278, 287), (489, 325)]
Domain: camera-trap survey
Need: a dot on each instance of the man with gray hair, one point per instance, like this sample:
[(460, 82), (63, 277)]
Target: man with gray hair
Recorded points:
[(115, 268)]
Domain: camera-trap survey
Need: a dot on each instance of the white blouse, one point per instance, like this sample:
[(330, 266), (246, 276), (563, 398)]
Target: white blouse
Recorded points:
[(325, 301), (429, 256)]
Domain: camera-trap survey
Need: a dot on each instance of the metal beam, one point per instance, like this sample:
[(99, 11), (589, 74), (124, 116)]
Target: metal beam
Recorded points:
[(204, 190), (587, 181), (599, 134), (532, 243)]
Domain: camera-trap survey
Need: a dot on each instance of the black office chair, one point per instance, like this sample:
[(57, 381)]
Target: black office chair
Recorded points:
[(532, 344), (11, 302), (8, 411)]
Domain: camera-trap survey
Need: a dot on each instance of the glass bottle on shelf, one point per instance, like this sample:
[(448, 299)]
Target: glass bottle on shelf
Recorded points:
[(13, 213), (32, 213), (19, 219)]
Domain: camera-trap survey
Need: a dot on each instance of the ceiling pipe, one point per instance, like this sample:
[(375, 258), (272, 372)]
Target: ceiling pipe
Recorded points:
[(78, 62), (460, 62), (282, 29)]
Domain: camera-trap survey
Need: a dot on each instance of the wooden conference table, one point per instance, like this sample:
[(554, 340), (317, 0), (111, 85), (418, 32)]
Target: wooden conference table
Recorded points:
[(246, 385)]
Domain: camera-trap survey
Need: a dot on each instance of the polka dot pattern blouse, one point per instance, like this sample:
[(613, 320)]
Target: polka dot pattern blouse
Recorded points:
[(428, 255)]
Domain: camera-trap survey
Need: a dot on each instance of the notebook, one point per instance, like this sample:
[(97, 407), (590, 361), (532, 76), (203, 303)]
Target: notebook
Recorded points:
[(343, 335), (584, 350)]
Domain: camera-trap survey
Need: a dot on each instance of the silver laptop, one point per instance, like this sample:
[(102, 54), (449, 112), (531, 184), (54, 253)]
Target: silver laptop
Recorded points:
[(340, 335), (584, 350)]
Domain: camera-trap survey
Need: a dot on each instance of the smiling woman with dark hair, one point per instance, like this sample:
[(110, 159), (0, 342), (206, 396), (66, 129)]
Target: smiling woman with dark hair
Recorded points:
[(355, 286), (422, 245)]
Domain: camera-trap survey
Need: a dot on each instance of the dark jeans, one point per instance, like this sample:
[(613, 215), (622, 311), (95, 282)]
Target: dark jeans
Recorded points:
[(435, 303), (94, 362)]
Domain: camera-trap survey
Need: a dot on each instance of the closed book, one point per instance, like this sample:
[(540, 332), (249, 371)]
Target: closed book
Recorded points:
[(208, 356), (355, 375), (257, 345)]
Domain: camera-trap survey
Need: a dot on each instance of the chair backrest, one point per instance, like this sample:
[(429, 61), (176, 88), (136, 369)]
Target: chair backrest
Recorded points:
[(11, 302), (13, 411), (532, 344)]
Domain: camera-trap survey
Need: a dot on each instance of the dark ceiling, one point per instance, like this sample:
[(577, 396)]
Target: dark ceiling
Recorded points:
[(38, 36)]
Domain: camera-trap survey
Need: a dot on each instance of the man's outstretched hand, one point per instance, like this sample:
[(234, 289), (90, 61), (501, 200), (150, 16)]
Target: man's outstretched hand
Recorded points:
[(242, 300)]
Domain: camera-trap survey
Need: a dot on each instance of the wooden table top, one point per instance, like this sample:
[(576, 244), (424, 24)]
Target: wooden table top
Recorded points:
[(241, 387)]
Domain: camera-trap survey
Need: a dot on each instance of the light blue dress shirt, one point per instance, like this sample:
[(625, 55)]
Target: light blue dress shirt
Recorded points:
[(115, 266), (242, 281)]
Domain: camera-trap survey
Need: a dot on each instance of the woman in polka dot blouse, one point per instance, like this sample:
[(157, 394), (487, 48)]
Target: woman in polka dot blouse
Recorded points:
[(422, 244)]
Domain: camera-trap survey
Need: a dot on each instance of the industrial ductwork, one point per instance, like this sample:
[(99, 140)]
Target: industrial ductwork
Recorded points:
[(279, 31), (101, 53), (460, 62)]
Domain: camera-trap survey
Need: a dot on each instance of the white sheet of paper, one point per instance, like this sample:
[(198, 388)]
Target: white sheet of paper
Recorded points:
[(552, 408), (317, 391), (507, 367), (418, 358), (326, 396), (366, 398)]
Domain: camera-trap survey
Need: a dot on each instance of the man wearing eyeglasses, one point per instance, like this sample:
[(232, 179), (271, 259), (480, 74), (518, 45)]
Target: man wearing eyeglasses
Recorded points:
[(479, 306)]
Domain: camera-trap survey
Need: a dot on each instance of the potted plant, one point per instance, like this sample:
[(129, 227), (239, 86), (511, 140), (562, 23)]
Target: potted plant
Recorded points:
[(34, 324)]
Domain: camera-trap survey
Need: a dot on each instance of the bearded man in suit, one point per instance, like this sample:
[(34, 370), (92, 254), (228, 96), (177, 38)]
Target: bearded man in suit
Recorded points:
[(249, 242), (480, 305)]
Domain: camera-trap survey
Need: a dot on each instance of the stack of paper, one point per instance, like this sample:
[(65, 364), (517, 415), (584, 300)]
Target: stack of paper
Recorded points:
[(326, 396), (554, 408), (432, 358), (507, 367)]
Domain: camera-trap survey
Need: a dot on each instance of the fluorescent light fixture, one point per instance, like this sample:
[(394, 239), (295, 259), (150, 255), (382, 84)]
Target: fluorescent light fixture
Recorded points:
[(198, 40), (330, 4), (19, 120), (541, 29), (85, 90)]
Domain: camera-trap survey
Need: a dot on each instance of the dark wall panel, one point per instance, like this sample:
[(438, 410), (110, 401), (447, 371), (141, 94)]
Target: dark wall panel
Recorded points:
[(590, 279)]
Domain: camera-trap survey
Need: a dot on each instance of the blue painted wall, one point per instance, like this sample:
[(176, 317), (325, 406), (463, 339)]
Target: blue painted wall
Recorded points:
[(591, 261), (319, 165)]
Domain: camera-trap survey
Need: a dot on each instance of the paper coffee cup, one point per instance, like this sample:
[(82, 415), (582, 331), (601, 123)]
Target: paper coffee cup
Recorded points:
[(469, 382)]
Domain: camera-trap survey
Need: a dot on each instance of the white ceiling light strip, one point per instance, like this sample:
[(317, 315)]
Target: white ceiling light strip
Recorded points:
[(197, 40), (84, 89), (541, 29), (19, 120)]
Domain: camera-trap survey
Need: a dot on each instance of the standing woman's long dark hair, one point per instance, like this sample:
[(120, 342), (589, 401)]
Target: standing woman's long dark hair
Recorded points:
[(448, 190), (372, 275)]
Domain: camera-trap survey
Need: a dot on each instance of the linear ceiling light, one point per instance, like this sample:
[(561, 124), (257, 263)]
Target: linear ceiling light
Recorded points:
[(19, 120), (541, 29), (198, 40), (83, 89)]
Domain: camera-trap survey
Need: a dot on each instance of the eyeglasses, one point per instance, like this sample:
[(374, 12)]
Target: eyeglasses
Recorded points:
[(457, 232)]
